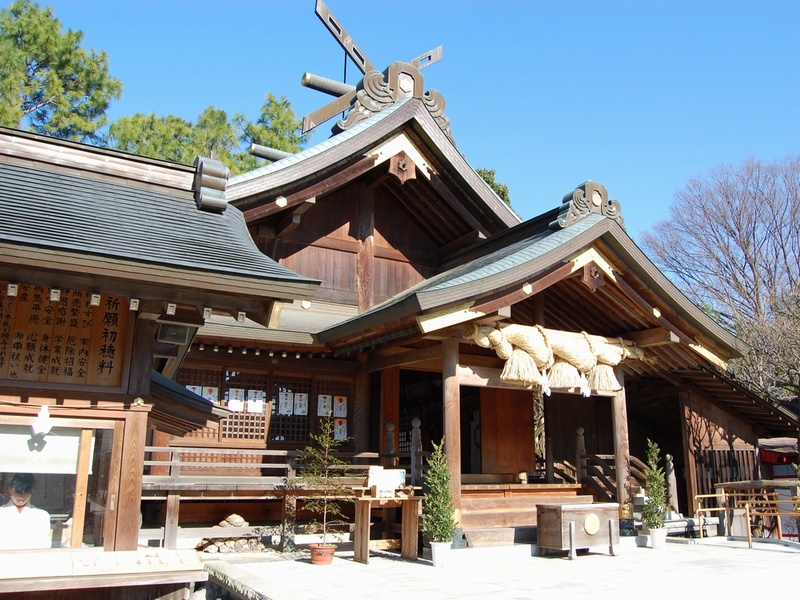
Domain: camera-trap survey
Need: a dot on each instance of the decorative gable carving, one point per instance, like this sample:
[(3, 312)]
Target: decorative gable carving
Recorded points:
[(588, 198)]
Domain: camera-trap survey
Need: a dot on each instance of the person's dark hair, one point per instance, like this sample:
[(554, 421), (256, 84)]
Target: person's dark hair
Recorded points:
[(22, 483)]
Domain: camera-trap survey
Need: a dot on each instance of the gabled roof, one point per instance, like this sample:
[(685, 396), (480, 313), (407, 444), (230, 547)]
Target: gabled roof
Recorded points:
[(520, 255), (70, 207), (294, 173)]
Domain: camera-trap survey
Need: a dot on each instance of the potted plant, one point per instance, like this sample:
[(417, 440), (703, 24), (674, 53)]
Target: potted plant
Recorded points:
[(324, 475), (438, 507), (655, 505)]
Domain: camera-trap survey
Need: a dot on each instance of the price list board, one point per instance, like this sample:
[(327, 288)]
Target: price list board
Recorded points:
[(64, 340)]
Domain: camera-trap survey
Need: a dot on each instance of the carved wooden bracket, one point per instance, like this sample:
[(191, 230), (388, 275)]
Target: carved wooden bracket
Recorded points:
[(593, 276), (402, 167)]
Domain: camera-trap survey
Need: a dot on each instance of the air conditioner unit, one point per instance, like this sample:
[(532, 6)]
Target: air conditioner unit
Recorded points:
[(173, 334)]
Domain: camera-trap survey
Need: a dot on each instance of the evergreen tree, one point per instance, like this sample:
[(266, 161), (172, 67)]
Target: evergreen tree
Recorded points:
[(49, 83), (438, 507)]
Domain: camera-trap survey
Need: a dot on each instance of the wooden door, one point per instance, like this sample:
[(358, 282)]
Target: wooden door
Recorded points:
[(506, 431)]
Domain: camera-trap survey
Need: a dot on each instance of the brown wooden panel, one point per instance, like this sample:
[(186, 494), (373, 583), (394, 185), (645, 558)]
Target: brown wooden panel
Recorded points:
[(63, 341), (506, 431)]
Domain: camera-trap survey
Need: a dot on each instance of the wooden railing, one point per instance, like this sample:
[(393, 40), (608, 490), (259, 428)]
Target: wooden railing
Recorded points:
[(758, 502), (169, 464), (599, 475)]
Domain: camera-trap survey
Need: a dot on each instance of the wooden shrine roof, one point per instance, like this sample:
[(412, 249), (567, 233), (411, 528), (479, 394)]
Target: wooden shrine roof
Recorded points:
[(347, 155), (77, 208)]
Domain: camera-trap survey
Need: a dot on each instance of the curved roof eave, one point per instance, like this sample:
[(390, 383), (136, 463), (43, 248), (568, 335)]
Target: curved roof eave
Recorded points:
[(280, 177), (500, 269)]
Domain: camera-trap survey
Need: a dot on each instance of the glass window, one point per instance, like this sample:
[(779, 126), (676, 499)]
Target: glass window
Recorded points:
[(66, 474)]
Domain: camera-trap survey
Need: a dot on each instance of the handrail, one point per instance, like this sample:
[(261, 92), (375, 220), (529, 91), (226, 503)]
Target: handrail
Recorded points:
[(267, 463), (756, 504)]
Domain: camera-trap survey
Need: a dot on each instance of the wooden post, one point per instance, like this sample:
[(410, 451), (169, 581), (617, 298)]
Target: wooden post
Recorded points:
[(361, 413), (130, 493), (416, 448), (622, 449), (366, 248), (288, 521), (688, 453), (81, 488), (580, 450), (172, 519), (451, 401), (672, 484), (390, 461), (390, 401)]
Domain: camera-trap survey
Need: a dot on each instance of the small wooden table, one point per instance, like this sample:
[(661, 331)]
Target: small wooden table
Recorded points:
[(409, 545)]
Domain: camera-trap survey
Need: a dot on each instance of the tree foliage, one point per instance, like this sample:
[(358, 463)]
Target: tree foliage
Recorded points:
[(501, 189), (48, 82), (654, 511), (323, 473), (732, 245), (438, 507), (212, 134)]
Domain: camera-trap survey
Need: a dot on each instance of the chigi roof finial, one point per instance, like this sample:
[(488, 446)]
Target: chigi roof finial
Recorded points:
[(376, 90)]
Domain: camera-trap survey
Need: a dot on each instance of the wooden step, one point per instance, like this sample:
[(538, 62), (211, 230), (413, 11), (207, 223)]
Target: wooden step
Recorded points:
[(504, 511), (496, 536)]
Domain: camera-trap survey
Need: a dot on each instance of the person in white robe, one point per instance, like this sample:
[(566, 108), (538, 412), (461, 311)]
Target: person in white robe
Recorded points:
[(22, 525)]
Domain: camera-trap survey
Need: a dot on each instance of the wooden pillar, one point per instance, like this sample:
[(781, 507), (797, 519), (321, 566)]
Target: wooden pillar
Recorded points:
[(130, 491), (622, 447), (172, 519), (416, 449), (360, 426), (452, 417), (365, 234), (580, 450), (689, 442), (390, 401)]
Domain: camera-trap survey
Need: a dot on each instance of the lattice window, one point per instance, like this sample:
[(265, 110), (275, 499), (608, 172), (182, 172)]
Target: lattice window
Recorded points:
[(292, 409), (204, 383), (338, 392), (245, 394)]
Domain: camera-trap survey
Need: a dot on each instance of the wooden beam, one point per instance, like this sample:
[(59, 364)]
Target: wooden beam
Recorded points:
[(652, 310), (526, 290), (484, 377), (321, 187), (403, 359), (458, 244), (292, 221), (649, 338)]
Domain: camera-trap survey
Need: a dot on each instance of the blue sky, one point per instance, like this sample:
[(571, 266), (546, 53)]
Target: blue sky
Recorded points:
[(640, 96)]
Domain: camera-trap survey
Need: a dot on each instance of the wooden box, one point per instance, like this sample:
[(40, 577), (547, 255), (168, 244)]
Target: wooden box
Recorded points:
[(577, 526)]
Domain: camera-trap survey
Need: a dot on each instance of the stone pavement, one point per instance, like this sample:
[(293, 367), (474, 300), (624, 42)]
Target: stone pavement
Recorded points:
[(714, 567)]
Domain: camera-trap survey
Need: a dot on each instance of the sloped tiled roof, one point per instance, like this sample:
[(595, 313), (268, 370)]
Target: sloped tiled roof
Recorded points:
[(456, 283), (75, 212)]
